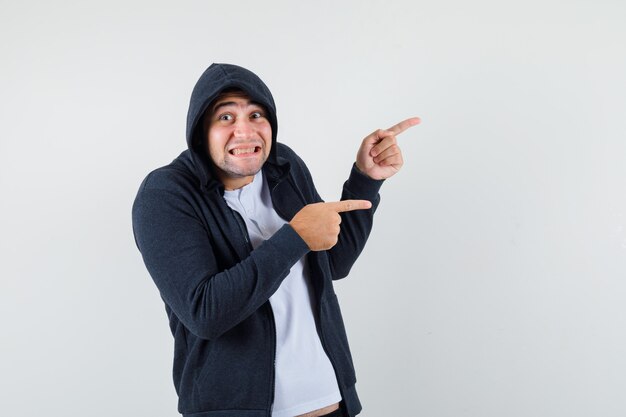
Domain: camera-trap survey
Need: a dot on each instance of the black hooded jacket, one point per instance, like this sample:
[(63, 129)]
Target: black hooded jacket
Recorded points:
[(216, 287)]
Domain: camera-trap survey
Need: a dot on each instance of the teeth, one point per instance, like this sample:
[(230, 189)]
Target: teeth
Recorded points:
[(240, 151)]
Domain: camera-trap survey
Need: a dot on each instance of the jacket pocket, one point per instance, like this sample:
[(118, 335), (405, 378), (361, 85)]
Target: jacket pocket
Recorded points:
[(233, 371)]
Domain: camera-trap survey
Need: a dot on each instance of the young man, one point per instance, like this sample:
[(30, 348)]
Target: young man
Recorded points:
[(244, 252)]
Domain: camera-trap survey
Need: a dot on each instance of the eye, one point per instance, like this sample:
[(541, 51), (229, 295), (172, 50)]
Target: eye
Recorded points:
[(256, 115), (225, 117)]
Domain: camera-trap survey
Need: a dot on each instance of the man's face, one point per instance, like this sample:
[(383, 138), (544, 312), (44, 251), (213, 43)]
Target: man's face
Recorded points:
[(239, 138)]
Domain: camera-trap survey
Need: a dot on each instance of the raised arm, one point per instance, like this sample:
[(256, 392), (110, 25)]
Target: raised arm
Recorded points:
[(378, 158)]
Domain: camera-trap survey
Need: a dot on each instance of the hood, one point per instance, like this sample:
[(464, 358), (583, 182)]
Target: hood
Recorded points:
[(217, 78)]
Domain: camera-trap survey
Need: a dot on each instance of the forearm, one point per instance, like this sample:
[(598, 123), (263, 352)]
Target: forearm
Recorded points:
[(356, 225), (201, 279), (223, 300)]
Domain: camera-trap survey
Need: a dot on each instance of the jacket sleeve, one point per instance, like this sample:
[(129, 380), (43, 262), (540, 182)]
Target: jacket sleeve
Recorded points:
[(179, 255), (355, 225)]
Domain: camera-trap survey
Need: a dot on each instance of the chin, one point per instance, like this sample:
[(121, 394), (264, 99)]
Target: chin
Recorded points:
[(243, 172)]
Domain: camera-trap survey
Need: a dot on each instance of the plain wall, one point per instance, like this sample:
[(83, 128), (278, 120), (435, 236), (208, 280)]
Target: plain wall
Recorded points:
[(494, 280)]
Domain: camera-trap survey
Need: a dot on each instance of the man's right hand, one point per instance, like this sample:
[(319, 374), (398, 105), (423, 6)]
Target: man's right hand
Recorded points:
[(318, 223)]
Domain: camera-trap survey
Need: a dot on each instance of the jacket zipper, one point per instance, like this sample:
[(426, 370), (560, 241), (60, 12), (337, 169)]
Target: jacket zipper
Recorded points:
[(273, 365), (330, 358), (319, 306), (246, 236), (244, 231)]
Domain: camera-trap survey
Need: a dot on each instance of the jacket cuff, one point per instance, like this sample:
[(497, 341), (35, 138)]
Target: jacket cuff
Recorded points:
[(362, 186), (292, 247)]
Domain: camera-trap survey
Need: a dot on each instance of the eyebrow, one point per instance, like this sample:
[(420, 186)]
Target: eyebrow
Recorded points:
[(230, 103)]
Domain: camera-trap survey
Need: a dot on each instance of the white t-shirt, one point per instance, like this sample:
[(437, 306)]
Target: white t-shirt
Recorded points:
[(305, 379)]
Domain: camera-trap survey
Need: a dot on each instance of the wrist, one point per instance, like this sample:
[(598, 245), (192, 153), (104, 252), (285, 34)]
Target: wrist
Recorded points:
[(362, 186), (360, 170)]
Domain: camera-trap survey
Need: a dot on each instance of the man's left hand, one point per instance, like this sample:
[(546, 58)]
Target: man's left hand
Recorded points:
[(379, 156)]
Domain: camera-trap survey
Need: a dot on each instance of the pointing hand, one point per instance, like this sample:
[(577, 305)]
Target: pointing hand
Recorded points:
[(379, 156), (318, 223)]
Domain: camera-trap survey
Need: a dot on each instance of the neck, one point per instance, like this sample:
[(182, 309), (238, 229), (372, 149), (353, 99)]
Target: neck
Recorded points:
[(231, 184)]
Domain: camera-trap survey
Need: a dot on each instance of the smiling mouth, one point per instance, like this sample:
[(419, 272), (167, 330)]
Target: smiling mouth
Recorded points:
[(245, 151)]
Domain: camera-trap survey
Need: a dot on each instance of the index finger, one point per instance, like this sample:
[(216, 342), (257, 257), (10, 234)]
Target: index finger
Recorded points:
[(349, 205), (404, 125)]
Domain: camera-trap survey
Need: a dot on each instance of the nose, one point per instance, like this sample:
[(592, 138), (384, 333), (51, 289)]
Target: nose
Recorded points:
[(243, 128)]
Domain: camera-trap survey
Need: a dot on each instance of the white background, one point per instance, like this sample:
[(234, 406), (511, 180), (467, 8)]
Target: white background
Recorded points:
[(494, 280)]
